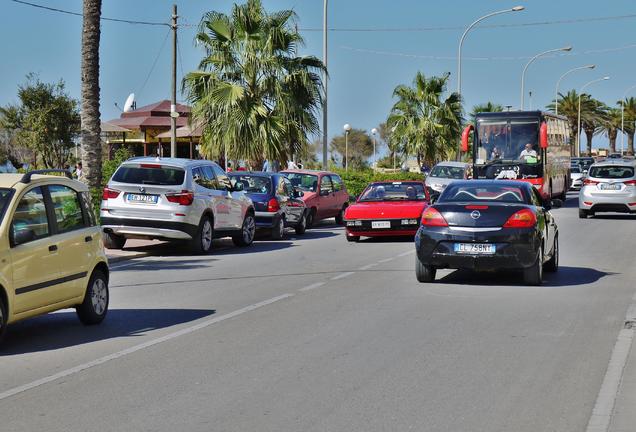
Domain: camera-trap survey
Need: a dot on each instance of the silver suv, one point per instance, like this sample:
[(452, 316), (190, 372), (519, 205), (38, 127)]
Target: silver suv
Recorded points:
[(192, 201), (609, 186)]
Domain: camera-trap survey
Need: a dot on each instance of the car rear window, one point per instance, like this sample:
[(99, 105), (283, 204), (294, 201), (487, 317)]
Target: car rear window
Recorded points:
[(304, 182), (575, 170), (612, 172), (394, 191), (254, 184), (479, 193), (445, 171), (149, 174)]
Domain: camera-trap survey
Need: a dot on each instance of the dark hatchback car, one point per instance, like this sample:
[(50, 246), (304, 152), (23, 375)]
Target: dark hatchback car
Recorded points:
[(488, 225), (278, 205)]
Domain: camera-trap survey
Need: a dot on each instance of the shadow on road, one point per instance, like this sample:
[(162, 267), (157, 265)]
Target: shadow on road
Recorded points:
[(395, 239), (566, 276), (63, 329), (614, 216)]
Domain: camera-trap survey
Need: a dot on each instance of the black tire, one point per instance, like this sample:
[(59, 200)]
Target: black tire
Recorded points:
[(248, 231), (94, 308), (424, 273), (4, 317), (201, 243), (114, 241), (534, 275), (340, 216), (301, 226), (583, 214), (278, 230), (553, 263), (352, 238), (311, 217)]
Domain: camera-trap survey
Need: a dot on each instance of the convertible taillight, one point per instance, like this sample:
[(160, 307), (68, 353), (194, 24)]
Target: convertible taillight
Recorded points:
[(522, 219), (184, 198), (432, 217), (273, 205), (110, 193)]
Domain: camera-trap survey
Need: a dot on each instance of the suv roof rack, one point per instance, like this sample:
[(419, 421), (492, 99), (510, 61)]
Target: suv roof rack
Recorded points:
[(26, 178)]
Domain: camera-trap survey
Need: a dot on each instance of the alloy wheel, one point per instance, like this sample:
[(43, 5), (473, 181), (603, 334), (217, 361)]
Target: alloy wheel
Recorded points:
[(249, 229), (206, 235), (99, 296)]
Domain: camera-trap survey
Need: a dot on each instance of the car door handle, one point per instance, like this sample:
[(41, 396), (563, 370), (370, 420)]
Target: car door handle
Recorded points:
[(88, 239), (52, 248)]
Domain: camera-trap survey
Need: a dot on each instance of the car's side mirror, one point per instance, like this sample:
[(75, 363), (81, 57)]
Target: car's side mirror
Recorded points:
[(324, 192), (237, 186), (21, 236), (434, 197)]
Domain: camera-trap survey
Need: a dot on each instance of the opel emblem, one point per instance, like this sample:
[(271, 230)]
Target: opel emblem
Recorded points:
[(475, 214), (142, 189)]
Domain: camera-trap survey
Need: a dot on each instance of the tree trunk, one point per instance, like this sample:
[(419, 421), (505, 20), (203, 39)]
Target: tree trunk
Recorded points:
[(612, 140), (589, 134), (90, 116), (630, 143)]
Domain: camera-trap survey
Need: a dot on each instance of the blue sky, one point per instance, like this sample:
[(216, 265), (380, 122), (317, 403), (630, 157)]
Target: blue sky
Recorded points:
[(365, 67)]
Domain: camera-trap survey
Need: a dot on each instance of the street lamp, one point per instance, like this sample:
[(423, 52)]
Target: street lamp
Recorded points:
[(578, 131), (374, 131), (556, 93), (623, 118), (347, 129), (459, 53), (523, 74), (324, 83)]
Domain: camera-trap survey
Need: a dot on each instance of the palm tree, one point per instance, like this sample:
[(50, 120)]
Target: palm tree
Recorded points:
[(252, 92), (629, 105), (90, 117), (611, 126), (593, 116), (487, 107), (424, 123), (569, 107)]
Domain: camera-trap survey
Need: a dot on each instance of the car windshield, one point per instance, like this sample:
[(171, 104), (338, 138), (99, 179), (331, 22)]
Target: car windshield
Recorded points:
[(514, 140), (479, 193), (304, 182), (394, 191), (254, 184), (149, 174), (611, 172), (444, 171), (575, 170), (5, 198)]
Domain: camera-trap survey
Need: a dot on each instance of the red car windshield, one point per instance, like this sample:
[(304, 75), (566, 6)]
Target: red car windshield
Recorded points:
[(394, 191)]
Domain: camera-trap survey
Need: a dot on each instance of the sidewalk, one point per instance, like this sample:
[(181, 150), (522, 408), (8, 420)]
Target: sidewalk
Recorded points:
[(624, 415), (134, 249)]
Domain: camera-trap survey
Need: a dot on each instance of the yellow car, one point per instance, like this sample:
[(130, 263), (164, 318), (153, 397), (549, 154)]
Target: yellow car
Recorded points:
[(51, 251)]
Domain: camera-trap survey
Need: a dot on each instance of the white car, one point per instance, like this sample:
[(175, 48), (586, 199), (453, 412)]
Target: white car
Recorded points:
[(192, 201), (576, 177), (445, 172), (609, 186)]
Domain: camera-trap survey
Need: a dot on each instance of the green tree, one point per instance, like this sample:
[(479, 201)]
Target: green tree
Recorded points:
[(46, 120), (360, 148), (569, 107), (629, 105), (593, 116), (487, 107), (423, 122), (611, 126), (252, 91)]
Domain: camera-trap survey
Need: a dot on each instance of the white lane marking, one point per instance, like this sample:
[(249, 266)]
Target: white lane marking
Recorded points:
[(14, 391), (385, 260), (312, 286), (368, 266), (601, 418), (407, 253), (342, 276)]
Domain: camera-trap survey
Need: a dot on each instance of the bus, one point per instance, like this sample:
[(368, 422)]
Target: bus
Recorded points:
[(529, 146)]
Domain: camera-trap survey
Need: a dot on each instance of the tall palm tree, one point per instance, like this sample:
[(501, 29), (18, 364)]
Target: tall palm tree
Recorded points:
[(252, 92), (629, 105), (569, 107), (611, 126), (487, 107), (90, 116), (593, 116), (423, 122)]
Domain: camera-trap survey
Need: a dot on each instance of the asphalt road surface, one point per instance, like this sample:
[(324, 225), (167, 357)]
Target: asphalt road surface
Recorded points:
[(317, 334)]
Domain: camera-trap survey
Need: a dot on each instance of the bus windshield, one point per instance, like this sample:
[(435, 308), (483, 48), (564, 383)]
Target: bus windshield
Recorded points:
[(516, 140)]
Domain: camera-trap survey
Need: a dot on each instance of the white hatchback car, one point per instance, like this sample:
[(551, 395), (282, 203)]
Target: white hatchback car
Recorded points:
[(610, 186), (192, 201)]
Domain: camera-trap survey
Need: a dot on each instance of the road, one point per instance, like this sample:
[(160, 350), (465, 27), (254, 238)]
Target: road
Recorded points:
[(316, 334)]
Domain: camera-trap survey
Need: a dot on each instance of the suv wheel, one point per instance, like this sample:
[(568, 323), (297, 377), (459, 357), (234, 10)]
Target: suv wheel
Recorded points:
[(3, 317), (202, 241), (278, 230), (301, 226), (95, 305), (114, 241), (248, 230), (340, 216)]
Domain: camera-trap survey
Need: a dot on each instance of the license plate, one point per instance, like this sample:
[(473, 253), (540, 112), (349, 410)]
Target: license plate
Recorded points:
[(475, 248), (380, 224), (609, 186), (142, 198)]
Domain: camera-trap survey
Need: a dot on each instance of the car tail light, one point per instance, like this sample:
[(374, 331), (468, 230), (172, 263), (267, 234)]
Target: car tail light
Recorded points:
[(630, 183), (432, 217), (273, 205), (110, 193), (184, 198), (631, 204), (522, 219), (590, 182), (588, 202)]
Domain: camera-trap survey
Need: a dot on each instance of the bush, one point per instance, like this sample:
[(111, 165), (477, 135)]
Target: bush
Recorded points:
[(110, 166), (356, 181)]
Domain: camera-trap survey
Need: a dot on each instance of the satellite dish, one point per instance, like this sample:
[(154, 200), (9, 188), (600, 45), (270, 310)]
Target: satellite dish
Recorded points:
[(129, 105)]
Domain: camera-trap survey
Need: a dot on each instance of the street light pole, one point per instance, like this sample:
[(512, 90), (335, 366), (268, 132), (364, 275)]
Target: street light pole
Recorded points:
[(459, 53), (374, 131), (525, 68), (578, 131), (347, 129), (325, 84), (556, 93), (623, 118)]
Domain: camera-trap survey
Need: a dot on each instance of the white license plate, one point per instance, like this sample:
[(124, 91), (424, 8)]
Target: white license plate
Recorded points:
[(380, 224), (142, 198), (475, 248), (609, 186)]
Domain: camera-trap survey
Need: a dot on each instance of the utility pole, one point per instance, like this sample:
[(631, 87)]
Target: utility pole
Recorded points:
[(173, 103), (325, 78)]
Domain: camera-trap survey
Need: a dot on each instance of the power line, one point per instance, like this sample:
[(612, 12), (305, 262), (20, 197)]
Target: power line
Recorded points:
[(150, 23)]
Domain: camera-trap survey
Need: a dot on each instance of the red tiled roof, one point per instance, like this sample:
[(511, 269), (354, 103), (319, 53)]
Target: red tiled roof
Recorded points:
[(157, 109), (156, 115)]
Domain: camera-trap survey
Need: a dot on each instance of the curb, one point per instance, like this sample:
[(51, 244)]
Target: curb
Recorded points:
[(116, 259)]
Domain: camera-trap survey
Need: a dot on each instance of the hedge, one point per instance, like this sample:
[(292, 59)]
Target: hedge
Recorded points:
[(356, 180)]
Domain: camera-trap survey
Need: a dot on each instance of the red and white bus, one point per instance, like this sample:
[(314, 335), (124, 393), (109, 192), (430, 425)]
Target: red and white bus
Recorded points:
[(530, 146)]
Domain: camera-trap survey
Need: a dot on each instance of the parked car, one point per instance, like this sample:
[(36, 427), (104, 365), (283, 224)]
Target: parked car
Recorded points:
[(576, 177), (324, 194), (583, 162), (487, 225), (445, 172), (387, 208), (183, 200), (51, 252), (278, 205), (609, 186)]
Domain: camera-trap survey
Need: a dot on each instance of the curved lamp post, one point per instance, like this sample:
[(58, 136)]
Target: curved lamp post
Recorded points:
[(325, 79), (578, 131), (347, 129), (525, 68), (623, 118), (556, 93)]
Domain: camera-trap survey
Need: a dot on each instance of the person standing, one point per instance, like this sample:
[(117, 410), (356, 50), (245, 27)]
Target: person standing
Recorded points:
[(79, 174)]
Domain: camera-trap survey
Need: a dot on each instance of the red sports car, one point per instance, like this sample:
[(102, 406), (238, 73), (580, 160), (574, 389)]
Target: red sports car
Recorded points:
[(388, 208)]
